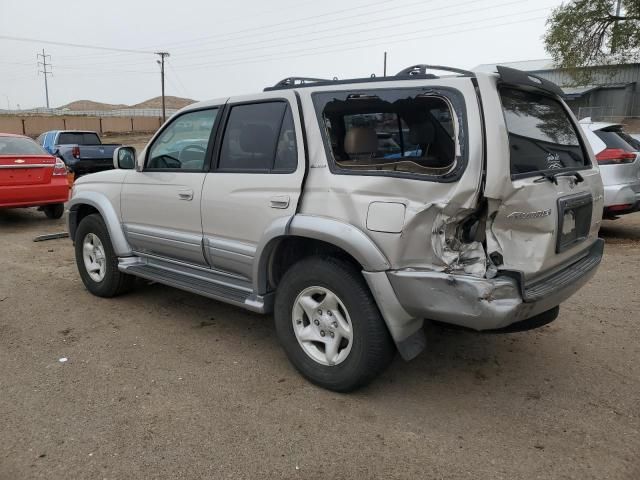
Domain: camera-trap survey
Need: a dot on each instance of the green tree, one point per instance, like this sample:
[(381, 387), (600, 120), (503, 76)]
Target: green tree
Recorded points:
[(584, 33)]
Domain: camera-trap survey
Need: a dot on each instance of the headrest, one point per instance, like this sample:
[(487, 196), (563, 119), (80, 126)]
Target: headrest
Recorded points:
[(257, 138), (422, 133), (361, 140)]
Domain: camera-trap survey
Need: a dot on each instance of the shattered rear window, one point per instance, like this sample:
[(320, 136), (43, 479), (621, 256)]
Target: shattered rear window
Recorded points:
[(541, 134), (389, 132)]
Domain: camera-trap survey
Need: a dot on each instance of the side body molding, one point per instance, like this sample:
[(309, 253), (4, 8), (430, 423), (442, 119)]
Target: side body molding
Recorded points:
[(104, 206)]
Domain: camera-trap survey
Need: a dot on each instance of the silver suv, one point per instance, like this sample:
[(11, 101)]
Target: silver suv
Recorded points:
[(354, 209)]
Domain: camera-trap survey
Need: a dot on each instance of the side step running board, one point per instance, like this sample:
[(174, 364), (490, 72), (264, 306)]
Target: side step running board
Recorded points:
[(198, 282)]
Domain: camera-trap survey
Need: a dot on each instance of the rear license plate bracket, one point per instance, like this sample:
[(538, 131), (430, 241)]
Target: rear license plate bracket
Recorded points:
[(574, 220)]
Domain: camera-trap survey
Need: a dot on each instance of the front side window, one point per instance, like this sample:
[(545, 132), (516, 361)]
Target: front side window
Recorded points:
[(389, 132), (541, 134), (259, 138), (183, 144)]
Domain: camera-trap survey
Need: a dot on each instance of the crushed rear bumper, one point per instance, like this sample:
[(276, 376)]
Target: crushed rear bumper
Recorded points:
[(488, 304)]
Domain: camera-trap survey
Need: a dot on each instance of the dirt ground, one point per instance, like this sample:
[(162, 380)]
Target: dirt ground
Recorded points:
[(165, 384), (138, 140)]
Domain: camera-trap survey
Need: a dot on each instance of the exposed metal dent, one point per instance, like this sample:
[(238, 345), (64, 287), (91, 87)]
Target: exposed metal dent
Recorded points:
[(457, 256)]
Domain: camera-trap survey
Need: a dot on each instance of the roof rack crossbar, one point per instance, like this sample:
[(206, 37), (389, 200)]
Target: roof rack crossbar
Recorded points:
[(291, 81), (421, 69)]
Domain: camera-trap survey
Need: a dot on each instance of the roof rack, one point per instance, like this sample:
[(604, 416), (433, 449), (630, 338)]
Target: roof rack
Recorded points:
[(421, 69), (415, 72), (291, 82)]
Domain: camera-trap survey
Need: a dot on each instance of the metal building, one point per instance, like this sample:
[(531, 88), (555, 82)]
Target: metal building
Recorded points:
[(613, 92)]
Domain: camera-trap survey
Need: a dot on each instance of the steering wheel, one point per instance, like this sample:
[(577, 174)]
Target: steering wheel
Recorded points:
[(191, 148)]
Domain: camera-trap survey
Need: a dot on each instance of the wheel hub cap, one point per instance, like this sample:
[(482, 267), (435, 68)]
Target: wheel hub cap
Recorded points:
[(322, 325), (94, 257)]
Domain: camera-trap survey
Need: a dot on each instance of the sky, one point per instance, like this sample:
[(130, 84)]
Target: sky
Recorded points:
[(226, 48)]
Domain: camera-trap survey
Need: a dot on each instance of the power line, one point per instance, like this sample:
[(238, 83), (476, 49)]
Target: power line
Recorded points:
[(312, 17), (384, 40), (75, 45), (46, 71), (333, 33)]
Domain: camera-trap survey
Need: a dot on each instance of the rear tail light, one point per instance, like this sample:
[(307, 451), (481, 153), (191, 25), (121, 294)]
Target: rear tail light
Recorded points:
[(615, 156), (60, 168), (619, 208), (75, 151)]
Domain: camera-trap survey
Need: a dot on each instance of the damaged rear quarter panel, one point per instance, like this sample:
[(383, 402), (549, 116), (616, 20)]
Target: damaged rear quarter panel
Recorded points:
[(430, 205)]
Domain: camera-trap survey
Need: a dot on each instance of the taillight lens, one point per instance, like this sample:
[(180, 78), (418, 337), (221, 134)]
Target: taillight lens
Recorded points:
[(615, 156), (75, 151), (60, 168)]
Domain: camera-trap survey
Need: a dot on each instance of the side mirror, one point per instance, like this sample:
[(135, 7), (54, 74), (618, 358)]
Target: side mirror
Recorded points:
[(124, 158)]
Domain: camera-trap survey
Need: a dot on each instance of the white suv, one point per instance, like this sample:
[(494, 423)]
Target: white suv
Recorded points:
[(355, 209)]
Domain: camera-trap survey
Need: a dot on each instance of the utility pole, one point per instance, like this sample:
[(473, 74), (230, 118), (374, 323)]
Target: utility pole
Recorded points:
[(161, 63), (46, 70), (384, 74)]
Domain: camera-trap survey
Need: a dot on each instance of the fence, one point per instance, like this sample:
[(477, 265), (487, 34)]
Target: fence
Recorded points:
[(34, 125), (598, 114), (122, 112)]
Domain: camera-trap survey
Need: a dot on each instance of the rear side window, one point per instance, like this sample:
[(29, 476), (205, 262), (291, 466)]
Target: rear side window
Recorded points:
[(387, 132), (78, 138), (541, 134), (20, 146), (618, 139), (259, 138)]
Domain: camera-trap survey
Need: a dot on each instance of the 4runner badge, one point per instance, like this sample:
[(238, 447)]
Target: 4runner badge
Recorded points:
[(529, 215)]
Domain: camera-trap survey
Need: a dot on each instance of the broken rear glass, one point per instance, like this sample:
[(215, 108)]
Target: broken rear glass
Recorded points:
[(384, 132)]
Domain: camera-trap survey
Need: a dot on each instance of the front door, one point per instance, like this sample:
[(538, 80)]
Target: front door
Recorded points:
[(161, 204), (256, 181)]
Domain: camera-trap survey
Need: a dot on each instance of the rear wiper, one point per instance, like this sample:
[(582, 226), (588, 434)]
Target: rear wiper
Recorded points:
[(553, 177)]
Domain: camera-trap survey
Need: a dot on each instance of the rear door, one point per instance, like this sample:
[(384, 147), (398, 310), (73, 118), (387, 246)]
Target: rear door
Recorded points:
[(544, 191), (256, 180)]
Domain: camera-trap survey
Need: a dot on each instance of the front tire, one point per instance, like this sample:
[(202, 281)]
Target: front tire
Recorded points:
[(97, 262), (329, 325), (54, 211)]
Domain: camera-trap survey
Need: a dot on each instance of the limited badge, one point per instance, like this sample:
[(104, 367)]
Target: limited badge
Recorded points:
[(553, 161)]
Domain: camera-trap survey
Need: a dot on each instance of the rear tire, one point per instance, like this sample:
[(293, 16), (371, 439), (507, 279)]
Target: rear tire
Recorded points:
[(324, 302), (54, 211), (97, 262)]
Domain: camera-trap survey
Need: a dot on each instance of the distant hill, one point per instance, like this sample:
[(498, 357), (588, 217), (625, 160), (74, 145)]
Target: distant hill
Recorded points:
[(170, 102), (156, 102), (91, 105)]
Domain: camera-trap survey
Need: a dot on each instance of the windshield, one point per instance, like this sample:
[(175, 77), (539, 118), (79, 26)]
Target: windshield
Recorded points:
[(541, 134), (79, 138), (20, 146)]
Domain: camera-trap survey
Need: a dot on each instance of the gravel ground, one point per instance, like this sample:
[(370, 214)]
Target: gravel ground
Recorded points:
[(164, 384)]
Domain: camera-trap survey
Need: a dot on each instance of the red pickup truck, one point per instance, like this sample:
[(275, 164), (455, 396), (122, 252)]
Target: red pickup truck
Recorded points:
[(31, 177)]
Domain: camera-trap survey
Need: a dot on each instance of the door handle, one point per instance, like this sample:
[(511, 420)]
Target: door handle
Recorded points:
[(186, 194), (279, 201)]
